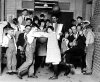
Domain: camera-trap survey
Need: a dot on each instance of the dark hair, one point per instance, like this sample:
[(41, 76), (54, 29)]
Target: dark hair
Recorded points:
[(47, 20), (27, 26), (54, 16), (79, 24), (51, 27), (33, 22), (88, 26), (15, 21), (28, 19), (85, 23), (35, 18), (7, 26), (42, 20), (10, 28), (42, 15), (79, 17), (30, 13), (25, 10)]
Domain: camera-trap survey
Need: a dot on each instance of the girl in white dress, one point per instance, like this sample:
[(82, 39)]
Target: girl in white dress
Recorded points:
[(53, 52)]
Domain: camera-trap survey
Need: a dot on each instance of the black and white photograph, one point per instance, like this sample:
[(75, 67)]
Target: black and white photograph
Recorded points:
[(49, 40)]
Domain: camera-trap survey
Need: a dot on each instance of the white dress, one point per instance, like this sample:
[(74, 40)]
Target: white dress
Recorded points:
[(53, 51)]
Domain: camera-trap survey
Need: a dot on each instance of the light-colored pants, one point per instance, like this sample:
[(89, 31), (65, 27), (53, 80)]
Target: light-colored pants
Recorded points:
[(89, 57), (29, 60), (11, 59)]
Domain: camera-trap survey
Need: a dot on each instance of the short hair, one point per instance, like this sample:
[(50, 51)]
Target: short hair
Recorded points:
[(15, 21), (51, 27), (79, 25), (28, 26), (30, 13), (42, 15), (10, 28), (42, 20), (25, 10), (79, 17), (47, 20), (28, 19)]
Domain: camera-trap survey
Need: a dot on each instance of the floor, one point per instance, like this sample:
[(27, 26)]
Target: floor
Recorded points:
[(43, 75)]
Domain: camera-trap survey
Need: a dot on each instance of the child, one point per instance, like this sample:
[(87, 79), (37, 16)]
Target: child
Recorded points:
[(9, 42), (65, 41), (53, 52)]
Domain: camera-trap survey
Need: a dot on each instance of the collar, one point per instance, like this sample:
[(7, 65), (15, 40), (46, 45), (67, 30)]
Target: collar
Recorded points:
[(23, 16), (9, 36)]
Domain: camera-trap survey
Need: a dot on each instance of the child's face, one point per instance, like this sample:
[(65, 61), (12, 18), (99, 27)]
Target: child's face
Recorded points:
[(49, 30), (74, 29), (28, 22), (36, 21), (47, 23), (70, 31), (24, 13), (79, 20), (34, 29), (11, 32), (66, 35), (27, 29), (78, 28)]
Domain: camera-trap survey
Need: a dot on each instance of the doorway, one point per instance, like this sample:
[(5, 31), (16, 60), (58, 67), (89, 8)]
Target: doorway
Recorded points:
[(65, 18)]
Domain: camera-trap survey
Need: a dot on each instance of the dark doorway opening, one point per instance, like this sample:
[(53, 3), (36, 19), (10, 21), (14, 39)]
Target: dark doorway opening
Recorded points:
[(65, 18)]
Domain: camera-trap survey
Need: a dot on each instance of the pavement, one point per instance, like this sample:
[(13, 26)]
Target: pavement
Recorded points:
[(44, 74)]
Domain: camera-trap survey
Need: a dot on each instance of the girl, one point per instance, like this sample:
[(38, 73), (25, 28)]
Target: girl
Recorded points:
[(65, 41), (41, 45), (53, 52)]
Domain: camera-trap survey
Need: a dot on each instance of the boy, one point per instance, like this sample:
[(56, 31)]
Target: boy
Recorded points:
[(28, 65), (9, 42)]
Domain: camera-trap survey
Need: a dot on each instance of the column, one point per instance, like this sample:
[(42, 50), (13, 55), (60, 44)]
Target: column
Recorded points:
[(2, 10)]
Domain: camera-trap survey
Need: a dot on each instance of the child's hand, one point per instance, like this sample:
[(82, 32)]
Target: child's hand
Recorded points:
[(63, 39), (21, 48), (60, 34), (71, 44)]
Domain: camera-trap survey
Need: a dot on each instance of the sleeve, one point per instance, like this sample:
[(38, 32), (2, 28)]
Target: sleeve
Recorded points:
[(39, 34), (5, 41), (20, 20), (45, 35), (88, 38)]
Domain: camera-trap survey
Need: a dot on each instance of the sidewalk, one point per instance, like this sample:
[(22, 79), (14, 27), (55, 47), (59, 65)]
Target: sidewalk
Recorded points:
[(43, 75)]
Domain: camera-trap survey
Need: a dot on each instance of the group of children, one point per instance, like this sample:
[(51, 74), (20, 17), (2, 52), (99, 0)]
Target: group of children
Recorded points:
[(31, 33), (78, 41)]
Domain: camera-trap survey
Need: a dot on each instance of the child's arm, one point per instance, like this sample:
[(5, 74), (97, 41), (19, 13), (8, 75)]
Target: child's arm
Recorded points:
[(5, 41), (44, 34), (39, 34)]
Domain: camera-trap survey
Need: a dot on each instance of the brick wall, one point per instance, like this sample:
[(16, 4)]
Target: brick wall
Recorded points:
[(95, 22)]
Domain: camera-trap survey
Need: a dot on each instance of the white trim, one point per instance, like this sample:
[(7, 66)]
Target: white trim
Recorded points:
[(41, 7)]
